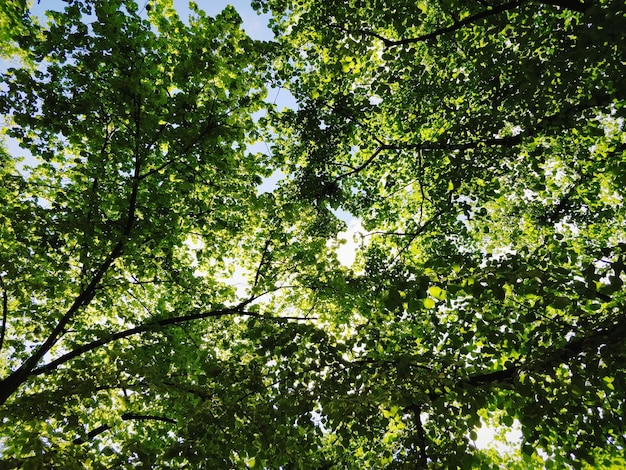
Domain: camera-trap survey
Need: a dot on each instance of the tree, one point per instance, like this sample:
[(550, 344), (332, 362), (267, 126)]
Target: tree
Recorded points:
[(13, 23), (121, 234), (482, 148)]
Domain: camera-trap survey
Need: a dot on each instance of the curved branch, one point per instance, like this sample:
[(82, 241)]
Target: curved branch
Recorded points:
[(364, 165), (151, 326), (456, 25), (509, 141), (91, 434), (574, 5), (155, 326), (541, 125)]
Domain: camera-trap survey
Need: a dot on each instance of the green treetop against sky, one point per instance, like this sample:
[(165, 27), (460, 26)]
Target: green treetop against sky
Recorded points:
[(366, 237)]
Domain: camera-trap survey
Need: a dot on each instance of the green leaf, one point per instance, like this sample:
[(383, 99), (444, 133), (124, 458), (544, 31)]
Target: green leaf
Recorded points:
[(172, 288)]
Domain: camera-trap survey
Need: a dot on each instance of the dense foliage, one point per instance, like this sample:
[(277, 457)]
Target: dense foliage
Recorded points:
[(160, 310)]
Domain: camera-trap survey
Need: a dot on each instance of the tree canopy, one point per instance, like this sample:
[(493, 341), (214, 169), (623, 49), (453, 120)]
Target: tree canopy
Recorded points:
[(161, 310)]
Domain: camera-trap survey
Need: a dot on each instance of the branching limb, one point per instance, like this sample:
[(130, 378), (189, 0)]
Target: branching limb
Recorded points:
[(421, 230), (608, 335), (364, 165), (210, 126), (10, 384), (509, 141)]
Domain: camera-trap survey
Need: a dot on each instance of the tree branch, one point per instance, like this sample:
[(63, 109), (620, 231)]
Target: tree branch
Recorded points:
[(5, 308), (151, 326), (421, 435), (11, 383), (509, 141), (203, 133), (568, 111), (261, 263), (364, 165), (456, 25), (91, 434), (422, 228), (125, 417), (574, 5), (610, 335), (155, 326)]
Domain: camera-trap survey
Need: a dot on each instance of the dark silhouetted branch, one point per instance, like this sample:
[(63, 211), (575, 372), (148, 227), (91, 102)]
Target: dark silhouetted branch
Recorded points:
[(125, 417), (156, 326), (5, 309), (456, 25)]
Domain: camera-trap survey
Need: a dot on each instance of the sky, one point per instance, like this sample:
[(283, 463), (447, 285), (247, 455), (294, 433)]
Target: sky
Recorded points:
[(254, 24)]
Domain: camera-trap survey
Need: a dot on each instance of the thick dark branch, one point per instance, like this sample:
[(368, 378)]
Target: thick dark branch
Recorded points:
[(456, 25), (138, 417), (125, 417), (11, 383), (609, 335), (490, 378), (91, 434), (155, 326), (261, 263), (364, 165), (508, 141), (151, 326)]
